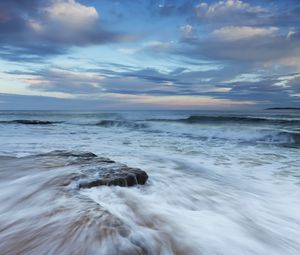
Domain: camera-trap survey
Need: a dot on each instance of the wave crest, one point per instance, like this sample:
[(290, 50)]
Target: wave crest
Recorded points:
[(30, 122), (121, 123), (195, 119)]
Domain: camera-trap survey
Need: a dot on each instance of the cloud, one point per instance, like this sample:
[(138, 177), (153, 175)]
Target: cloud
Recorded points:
[(37, 29), (134, 84), (60, 80), (28, 102), (237, 33), (187, 30), (290, 82), (244, 46), (188, 102), (233, 33), (227, 6), (127, 51), (95, 81), (225, 51), (228, 11), (157, 45), (71, 14), (174, 7), (273, 90), (116, 102)]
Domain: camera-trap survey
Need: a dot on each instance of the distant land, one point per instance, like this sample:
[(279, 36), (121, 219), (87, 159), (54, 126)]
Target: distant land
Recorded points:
[(283, 108)]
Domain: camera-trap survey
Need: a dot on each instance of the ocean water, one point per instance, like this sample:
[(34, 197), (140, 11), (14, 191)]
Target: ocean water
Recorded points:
[(219, 183)]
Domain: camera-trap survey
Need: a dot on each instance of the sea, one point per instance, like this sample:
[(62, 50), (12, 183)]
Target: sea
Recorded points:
[(219, 183)]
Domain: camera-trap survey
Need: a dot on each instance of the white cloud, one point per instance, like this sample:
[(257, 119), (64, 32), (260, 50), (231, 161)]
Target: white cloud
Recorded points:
[(127, 51), (221, 90), (158, 44), (35, 25), (226, 7), (285, 81), (68, 82), (180, 101), (71, 13), (291, 33), (186, 30), (291, 60), (234, 33)]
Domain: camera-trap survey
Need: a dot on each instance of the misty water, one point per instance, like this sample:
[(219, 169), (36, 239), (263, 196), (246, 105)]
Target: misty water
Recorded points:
[(218, 183)]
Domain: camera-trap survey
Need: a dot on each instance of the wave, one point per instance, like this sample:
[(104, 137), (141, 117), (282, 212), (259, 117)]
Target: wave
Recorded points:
[(238, 119), (103, 123), (281, 137), (121, 123), (230, 119), (295, 137), (232, 134), (30, 122), (258, 136)]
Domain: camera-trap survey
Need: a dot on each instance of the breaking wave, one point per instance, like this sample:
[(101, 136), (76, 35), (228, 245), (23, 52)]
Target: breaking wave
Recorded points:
[(233, 134), (102, 123), (259, 136), (30, 122), (230, 119), (121, 123), (255, 136)]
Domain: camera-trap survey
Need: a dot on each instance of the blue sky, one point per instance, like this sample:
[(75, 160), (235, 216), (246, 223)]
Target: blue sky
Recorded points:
[(155, 54)]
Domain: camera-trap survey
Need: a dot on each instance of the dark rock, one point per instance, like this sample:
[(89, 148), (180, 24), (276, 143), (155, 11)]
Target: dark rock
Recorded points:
[(123, 176), (64, 153), (89, 170)]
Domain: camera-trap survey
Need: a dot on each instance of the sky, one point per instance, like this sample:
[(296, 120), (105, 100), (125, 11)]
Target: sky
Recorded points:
[(149, 54)]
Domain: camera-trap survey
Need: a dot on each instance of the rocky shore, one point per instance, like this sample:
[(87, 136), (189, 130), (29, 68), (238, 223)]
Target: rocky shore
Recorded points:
[(59, 218), (92, 170)]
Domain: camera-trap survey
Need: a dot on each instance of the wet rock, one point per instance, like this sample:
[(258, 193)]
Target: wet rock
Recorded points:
[(123, 176), (64, 153), (89, 170), (73, 223)]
